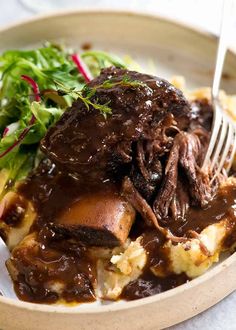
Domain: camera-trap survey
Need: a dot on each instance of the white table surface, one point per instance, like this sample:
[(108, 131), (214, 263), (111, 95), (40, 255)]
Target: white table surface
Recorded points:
[(201, 13)]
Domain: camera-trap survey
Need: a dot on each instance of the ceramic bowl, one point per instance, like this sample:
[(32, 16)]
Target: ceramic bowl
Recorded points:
[(164, 48)]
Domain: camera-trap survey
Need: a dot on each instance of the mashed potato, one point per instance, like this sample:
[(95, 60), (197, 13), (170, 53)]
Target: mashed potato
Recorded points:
[(188, 257), (126, 265)]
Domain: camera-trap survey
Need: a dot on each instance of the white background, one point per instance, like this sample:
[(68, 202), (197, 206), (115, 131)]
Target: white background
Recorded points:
[(200, 13)]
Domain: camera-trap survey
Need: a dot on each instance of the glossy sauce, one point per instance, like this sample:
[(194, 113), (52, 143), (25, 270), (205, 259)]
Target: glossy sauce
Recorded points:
[(149, 284), (54, 269), (222, 205), (52, 192), (60, 258), (14, 210)]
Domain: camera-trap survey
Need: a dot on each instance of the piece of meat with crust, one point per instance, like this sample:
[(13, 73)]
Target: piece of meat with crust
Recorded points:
[(93, 213), (85, 142), (99, 219)]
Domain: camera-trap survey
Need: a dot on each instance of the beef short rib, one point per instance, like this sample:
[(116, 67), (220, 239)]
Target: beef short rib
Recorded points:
[(84, 141)]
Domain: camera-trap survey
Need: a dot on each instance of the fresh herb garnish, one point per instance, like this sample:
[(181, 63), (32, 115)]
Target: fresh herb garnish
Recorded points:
[(84, 97), (88, 92), (126, 81)]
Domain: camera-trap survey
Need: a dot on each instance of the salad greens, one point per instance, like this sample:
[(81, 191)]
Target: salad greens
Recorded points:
[(99, 60), (59, 82)]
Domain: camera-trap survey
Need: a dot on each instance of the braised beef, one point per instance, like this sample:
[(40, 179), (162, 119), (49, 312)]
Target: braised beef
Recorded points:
[(138, 202), (92, 212), (86, 142), (143, 138), (153, 136), (183, 158), (100, 218)]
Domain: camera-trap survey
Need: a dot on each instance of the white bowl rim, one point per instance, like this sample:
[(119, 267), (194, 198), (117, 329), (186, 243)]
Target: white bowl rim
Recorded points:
[(127, 304), (106, 11), (60, 309)]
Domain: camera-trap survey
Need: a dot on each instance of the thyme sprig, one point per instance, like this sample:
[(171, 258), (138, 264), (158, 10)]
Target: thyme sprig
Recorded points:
[(87, 92), (75, 94)]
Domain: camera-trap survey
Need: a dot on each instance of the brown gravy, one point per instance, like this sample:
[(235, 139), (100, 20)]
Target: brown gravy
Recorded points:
[(52, 192), (222, 205), (54, 263), (148, 284)]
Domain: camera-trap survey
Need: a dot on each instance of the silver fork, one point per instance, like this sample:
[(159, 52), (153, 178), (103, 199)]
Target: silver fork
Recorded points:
[(222, 144), (6, 285)]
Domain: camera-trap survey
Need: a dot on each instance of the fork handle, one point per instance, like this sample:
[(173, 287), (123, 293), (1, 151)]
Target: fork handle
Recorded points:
[(222, 46)]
